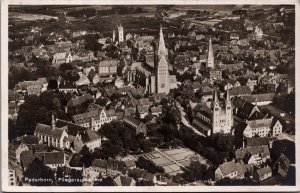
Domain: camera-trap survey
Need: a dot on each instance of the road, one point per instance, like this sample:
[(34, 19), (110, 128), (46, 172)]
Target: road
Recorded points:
[(185, 122)]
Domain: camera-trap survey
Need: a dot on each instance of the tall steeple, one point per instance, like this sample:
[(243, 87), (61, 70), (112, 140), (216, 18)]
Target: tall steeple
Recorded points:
[(227, 94), (215, 102), (114, 36), (53, 122), (162, 67), (210, 56), (161, 46)]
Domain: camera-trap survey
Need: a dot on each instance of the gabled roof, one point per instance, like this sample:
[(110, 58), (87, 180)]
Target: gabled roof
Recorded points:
[(87, 135), (228, 168), (283, 164), (54, 157), (257, 141), (26, 158), (124, 181), (263, 171), (254, 150), (47, 130), (241, 90)]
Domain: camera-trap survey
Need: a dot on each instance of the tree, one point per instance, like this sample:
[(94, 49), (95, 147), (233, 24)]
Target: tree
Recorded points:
[(110, 150), (86, 156), (108, 181), (36, 170), (52, 85), (148, 165), (195, 171)]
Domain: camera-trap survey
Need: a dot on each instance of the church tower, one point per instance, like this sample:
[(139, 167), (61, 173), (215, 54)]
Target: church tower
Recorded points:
[(215, 105), (114, 36), (121, 33), (228, 112), (210, 56), (162, 70)]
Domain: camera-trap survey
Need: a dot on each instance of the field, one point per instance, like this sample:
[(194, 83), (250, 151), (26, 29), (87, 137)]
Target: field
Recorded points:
[(29, 17)]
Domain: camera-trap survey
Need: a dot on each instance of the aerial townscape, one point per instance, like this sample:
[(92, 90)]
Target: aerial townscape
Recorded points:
[(151, 95)]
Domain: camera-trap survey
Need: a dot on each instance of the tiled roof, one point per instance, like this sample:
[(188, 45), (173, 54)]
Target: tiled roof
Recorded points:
[(87, 135), (46, 129), (228, 167), (26, 158), (54, 157), (241, 90), (132, 121), (263, 171), (254, 150), (257, 141), (124, 181)]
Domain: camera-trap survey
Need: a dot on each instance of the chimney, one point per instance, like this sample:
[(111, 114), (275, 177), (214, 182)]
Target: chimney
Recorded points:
[(66, 109)]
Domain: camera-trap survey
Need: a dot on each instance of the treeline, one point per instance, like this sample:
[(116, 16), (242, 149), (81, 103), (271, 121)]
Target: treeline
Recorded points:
[(120, 10)]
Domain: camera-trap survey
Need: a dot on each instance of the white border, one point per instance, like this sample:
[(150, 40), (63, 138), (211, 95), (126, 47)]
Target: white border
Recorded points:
[(4, 100)]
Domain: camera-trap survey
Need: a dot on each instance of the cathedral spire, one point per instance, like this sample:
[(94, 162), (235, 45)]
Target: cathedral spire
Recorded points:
[(216, 99), (227, 94), (161, 45), (210, 55)]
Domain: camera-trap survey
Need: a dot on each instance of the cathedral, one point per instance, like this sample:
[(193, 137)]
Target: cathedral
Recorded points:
[(153, 72), (217, 118)]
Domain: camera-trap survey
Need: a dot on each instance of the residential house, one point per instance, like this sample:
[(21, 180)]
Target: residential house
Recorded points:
[(142, 111), (108, 67), (262, 173), (54, 159), (22, 147), (256, 155), (94, 117), (230, 170), (234, 36), (252, 83), (67, 86), (110, 167), (156, 110), (240, 91), (26, 157), (136, 125), (60, 58), (12, 177), (281, 165), (243, 42), (123, 180), (80, 136)]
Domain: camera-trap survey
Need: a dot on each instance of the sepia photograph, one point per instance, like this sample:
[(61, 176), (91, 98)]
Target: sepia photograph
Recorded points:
[(148, 96)]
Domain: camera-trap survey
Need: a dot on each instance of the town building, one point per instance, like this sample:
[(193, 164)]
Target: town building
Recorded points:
[(12, 177), (62, 134), (94, 117), (120, 33), (262, 174), (217, 119), (136, 125), (230, 170), (60, 58), (22, 147), (256, 155), (153, 73)]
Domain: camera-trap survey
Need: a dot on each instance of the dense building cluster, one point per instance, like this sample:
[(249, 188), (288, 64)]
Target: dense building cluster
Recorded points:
[(199, 98)]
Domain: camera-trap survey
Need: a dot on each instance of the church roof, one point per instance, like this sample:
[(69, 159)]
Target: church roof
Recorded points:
[(46, 129)]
